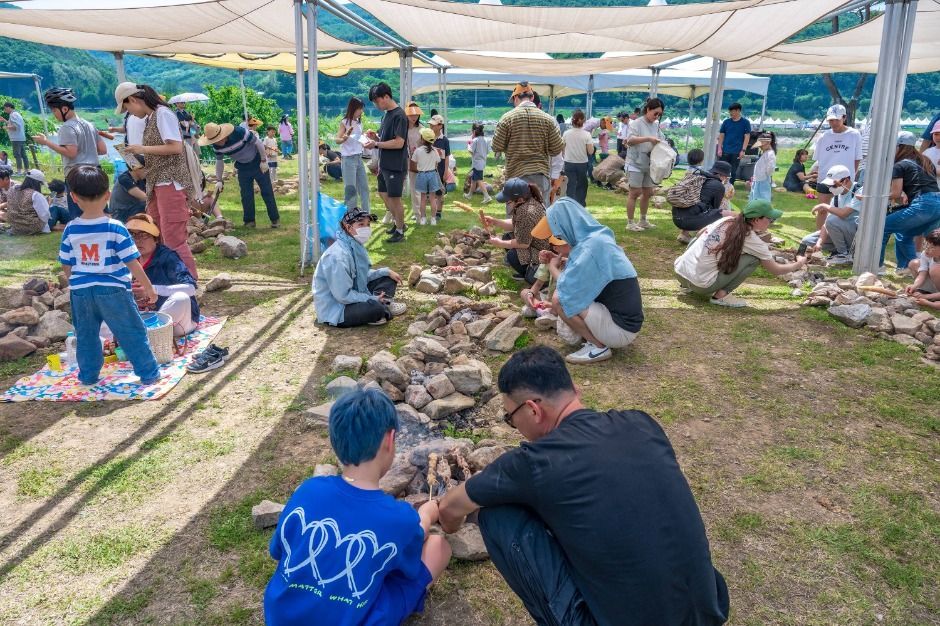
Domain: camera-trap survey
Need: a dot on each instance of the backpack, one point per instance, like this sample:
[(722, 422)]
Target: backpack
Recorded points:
[(687, 192)]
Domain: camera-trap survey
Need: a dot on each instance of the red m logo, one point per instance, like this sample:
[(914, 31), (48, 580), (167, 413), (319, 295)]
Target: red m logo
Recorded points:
[(90, 253)]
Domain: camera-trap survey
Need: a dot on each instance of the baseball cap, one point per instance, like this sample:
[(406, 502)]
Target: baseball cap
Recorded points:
[(514, 189), (835, 112), (428, 135), (521, 88), (906, 138), (354, 214), (761, 208), (835, 174), (935, 129), (555, 241), (36, 175), (143, 223), (721, 168), (121, 92), (542, 230), (436, 119)]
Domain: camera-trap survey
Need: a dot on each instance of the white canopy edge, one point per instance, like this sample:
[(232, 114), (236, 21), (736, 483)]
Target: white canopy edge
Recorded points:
[(544, 65)]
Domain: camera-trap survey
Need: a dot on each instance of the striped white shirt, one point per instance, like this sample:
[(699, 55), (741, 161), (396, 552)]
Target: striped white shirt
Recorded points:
[(98, 251)]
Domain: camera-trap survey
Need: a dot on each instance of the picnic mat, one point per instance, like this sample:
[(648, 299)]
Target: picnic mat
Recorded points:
[(118, 381)]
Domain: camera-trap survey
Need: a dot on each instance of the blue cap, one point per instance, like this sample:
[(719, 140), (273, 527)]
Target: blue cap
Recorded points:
[(514, 189)]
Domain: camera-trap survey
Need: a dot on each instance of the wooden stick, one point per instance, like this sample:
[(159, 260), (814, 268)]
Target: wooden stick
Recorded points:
[(880, 290), (464, 207)]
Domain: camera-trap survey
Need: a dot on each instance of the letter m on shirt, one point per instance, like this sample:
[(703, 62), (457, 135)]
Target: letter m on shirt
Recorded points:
[(90, 253)]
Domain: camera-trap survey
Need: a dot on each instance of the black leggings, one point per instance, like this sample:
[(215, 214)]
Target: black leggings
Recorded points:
[(692, 219), (527, 271), (361, 313)]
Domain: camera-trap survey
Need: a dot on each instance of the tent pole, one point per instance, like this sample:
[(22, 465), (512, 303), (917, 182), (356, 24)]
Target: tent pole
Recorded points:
[(119, 66), (898, 28), (763, 112), (590, 97), (401, 78), (719, 70), (241, 82), (301, 129), (313, 113), (42, 105), (688, 126), (654, 82), (444, 79), (409, 62), (551, 100), (440, 90)]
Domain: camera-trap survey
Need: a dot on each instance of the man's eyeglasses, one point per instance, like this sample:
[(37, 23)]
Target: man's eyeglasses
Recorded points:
[(507, 417)]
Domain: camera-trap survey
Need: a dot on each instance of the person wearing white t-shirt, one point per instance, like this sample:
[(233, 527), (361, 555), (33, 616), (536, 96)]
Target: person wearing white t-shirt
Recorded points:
[(840, 145), (933, 152), (349, 140), (169, 182), (579, 147), (643, 135), (720, 258)]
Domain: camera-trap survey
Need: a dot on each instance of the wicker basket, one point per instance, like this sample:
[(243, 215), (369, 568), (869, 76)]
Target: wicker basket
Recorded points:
[(161, 337)]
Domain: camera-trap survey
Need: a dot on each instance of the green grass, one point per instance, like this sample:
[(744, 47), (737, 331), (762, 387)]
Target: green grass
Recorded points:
[(103, 550)]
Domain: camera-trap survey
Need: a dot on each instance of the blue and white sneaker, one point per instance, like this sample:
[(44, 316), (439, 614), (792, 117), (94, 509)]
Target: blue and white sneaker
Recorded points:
[(590, 353)]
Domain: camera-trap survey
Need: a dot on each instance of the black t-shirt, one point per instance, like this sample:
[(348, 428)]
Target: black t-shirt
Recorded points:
[(394, 124), (185, 116), (443, 143), (609, 488), (792, 182), (622, 298), (915, 180)]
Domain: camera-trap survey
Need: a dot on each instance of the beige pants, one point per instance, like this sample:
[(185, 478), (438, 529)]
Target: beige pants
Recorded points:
[(601, 325)]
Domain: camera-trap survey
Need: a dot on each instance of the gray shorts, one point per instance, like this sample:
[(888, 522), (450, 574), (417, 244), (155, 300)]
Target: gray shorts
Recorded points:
[(639, 179)]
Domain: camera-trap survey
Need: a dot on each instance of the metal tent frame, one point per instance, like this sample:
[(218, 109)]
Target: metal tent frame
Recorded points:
[(37, 82)]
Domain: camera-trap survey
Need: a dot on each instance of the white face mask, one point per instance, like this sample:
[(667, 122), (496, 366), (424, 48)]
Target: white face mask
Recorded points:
[(362, 234)]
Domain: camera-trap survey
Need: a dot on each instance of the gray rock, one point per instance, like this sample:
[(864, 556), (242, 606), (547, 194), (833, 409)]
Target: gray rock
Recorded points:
[(852, 315), (39, 342), (428, 285), (924, 338), (503, 337), (371, 384), (37, 285), (220, 282), (904, 325), (440, 386), (414, 275), (435, 368), (481, 273), (432, 349), (467, 544), (47, 298), (346, 363), (4, 328), (435, 258), (389, 370), (923, 317), (417, 328), (417, 396), (54, 325), (867, 279), (20, 331), (13, 347), (62, 302), (382, 355), (458, 328), (339, 387), (407, 413), (447, 445), (907, 340), (265, 514), (441, 408), (394, 393), (879, 320), (481, 457), (470, 378), (231, 247), (396, 481), (40, 306), (318, 416), (325, 469), (480, 327), (454, 285), (22, 316), (213, 231)]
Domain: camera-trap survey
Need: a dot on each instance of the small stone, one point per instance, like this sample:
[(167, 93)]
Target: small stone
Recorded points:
[(454, 285), (435, 258), (467, 544), (231, 247), (489, 289), (417, 328), (54, 325), (318, 416), (38, 286), (4, 328), (503, 337), (933, 325), (481, 457), (13, 347), (417, 396), (455, 402), (389, 371), (20, 331), (23, 316), (844, 284), (339, 387), (904, 325), (470, 378), (200, 246), (434, 368), (370, 385), (414, 275), (852, 315), (906, 340), (428, 285), (408, 413), (394, 393), (382, 355), (214, 231), (922, 337), (479, 328), (220, 282), (39, 342), (432, 349), (797, 293), (346, 363), (458, 328), (922, 317), (325, 469), (867, 279), (440, 386), (265, 514), (62, 303), (40, 306), (399, 476), (482, 274), (447, 445)]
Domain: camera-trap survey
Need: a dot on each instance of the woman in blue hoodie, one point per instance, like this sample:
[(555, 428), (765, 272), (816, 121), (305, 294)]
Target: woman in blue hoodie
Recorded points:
[(597, 293), (346, 291)]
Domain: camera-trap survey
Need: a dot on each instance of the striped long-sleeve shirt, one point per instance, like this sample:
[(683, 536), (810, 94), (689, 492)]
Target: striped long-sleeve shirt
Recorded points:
[(98, 251), (529, 138)]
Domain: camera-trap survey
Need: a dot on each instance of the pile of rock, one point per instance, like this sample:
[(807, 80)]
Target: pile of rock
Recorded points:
[(465, 324), (37, 317), (285, 186), (203, 236), (458, 264), (867, 302)]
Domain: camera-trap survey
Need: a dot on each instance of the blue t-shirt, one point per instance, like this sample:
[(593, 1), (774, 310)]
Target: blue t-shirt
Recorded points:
[(98, 250), (734, 134), (346, 557)]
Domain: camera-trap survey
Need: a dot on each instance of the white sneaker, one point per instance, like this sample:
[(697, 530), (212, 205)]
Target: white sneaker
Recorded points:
[(433, 221), (487, 199), (421, 221), (590, 354), (387, 219), (882, 271), (730, 300), (646, 225), (381, 322), (468, 196), (567, 334), (397, 308), (634, 227), (528, 311)]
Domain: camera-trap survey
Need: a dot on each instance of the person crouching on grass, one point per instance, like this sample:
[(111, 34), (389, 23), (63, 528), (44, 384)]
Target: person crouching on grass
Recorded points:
[(347, 552), (99, 257)]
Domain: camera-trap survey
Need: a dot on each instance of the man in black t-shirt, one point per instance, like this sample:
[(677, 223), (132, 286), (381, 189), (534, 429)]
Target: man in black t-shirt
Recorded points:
[(591, 521), (393, 156)]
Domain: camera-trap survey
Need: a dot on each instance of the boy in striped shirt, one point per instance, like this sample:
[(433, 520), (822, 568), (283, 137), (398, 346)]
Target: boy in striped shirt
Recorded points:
[(99, 258)]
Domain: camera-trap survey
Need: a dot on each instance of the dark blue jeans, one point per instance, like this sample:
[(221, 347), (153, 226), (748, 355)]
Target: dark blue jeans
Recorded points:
[(74, 209), (919, 218), (249, 174), (534, 566), (116, 307), (58, 215)]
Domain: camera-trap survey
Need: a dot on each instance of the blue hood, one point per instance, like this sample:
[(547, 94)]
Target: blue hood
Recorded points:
[(595, 258)]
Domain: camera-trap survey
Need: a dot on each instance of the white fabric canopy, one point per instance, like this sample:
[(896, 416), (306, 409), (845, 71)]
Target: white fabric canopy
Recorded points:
[(426, 81), (210, 26), (728, 30), (544, 65), (332, 64)]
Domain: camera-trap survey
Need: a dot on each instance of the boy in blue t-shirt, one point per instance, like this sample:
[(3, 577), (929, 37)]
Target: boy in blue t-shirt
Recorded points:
[(348, 554), (99, 258)]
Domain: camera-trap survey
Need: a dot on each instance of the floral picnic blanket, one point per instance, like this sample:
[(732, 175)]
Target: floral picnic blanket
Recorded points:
[(118, 381)]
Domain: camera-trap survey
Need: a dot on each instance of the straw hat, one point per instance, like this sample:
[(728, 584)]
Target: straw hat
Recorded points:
[(143, 223), (254, 122), (413, 109), (213, 133)]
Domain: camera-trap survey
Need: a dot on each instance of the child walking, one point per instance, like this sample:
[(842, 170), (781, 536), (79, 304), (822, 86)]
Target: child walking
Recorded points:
[(347, 552), (428, 181), (99, 258), (761, 183), (478, 151), (270, 151)]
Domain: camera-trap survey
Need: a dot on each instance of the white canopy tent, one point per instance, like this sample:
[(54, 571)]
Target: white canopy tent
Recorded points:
[(37, 83)]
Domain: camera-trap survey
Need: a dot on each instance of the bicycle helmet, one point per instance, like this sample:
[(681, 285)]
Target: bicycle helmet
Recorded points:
[(60, 96)]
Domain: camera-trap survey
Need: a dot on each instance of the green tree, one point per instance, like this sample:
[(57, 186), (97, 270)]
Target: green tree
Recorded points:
[(225, 106)]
